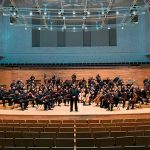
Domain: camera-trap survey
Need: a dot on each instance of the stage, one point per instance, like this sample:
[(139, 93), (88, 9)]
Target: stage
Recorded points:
[(84, 112)]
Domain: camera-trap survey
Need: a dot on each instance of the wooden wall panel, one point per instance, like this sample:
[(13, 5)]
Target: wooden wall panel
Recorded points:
[(135, 73)]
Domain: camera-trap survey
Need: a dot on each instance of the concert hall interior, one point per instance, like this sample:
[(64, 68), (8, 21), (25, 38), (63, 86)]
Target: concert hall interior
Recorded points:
[(74, 74)]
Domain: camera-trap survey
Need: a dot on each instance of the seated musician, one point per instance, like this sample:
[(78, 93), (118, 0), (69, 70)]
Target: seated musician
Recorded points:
[(42, 98), (132, 99), (20, 98), (31, 98), (3, 95)]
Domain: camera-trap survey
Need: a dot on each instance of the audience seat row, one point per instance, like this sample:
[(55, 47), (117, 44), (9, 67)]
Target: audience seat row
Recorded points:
[(80, 142)]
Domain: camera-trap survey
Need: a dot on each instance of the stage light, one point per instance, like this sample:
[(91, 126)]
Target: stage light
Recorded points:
[(39, 28), (134, 12), (109, 28), (45, 12), (88, 12), (103, 12), (122, 27), (31, 13), (59, 13), (74, 29), (86, 28), (73, 12), (14, 13), (117, 12)]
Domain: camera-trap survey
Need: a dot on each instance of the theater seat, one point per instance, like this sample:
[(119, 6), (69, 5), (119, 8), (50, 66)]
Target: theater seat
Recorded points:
[(85, 142), (38, 148), (24, 142), (87, 148), (14, 148), (63, 142), (111, 148), (135, 148), (62, 148), (44, 142)]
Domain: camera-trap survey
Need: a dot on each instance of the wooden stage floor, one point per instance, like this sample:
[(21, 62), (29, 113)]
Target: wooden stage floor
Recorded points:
[(84, 112)]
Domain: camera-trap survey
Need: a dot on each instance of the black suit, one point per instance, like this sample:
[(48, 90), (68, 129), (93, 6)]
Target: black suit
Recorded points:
[(74, 98)]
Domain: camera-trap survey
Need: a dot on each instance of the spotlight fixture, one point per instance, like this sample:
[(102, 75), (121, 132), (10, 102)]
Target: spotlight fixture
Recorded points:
[(103, 13), (74, 29), (31, 13), (88, 12), (85, 28), (14, 13), (122, 27), (117, 12), (45, 13), (74, 13), (59, 12)]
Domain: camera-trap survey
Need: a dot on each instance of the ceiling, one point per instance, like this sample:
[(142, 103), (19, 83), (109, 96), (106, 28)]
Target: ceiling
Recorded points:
[(74, 13)]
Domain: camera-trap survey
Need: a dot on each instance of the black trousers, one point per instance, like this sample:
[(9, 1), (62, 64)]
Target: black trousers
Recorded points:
[(73, 101)]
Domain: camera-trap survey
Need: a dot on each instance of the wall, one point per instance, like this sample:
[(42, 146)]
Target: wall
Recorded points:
[(17, 47), (1, 36), (147, 34), (126, 73)]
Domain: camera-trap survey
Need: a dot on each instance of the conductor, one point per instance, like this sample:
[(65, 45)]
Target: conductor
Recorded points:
[(74, 93)]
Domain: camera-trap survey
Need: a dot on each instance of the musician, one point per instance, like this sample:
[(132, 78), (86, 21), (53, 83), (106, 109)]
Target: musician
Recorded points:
[(20, 99), (66, 96), (132, 100), (98, 78), (31, 98), (74, 93), (74, 77), (3, 95), (44, 99)]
